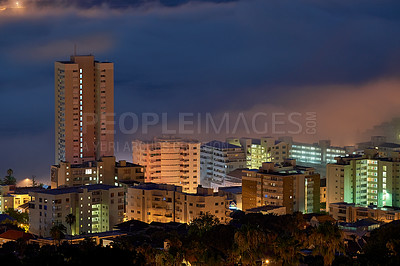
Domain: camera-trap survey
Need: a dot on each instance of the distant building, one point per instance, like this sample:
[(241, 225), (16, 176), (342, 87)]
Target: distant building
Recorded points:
[(104, 171), (383, 148), (350, 212), (295, 187), (218, 159), (389, 130), (168, 203), (170, 161), (97, 208), (315, 155), (365, 180), (84, 110)]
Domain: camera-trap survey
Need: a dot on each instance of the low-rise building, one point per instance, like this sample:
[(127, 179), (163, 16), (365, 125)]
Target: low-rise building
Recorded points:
[(168, 203), (104, 171), (350, 212), (295, 187), (15, 197), (97, 208)]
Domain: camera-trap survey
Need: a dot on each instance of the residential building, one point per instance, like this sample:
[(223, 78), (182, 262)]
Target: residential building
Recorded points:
[(170, 160), (84, 109), (97, 208), (104, 171), (295, 187), (350, 212), (315, 155), (365, 180), (15, 197), (218, 159), (168, 203)]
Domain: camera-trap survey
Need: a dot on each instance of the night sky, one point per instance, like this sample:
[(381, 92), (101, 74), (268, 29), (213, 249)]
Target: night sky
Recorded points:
[(340, 59)]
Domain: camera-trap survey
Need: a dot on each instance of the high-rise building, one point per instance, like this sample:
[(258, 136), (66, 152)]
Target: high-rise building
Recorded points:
[(168, 203), (364, 180), (218, 159), (97, 208), (171, 161), (84, 109), (295, 187), (104, 171)]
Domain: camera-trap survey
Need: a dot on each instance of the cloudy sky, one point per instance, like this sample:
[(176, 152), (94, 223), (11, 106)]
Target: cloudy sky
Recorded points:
[(337, 58)]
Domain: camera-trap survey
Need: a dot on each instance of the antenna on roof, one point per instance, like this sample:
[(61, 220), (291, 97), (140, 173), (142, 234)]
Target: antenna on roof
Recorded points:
[(75, 49)]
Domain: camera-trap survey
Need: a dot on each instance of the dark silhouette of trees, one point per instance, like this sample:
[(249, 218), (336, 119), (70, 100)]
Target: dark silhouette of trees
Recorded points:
[(58, 232), (70, 220)]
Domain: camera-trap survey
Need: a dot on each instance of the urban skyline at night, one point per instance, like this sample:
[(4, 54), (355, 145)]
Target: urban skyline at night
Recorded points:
[(200, 132)]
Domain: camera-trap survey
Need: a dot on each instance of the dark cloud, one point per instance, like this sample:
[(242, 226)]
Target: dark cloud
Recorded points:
[(187, 56)]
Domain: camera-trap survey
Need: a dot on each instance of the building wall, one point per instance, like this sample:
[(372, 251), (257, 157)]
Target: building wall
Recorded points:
[(351, 213), (170, 161), (84, 107), (105, 171), (364, 181), (95, 210), (167, 203), (217, 162), (275, 186)]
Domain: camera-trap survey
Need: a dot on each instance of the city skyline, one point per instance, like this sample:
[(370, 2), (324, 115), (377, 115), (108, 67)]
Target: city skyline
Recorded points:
[(166, 68)]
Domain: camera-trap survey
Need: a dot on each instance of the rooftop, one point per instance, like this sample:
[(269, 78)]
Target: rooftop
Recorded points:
[(77, 189), (235, 189), (221, 145)]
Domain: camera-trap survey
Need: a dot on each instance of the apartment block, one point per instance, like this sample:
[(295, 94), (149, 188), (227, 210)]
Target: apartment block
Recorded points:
[(169, 160), (168, 203), (15, 197), (297, 188), (97, 208), (104, 171), (219, 159), (364, 180), (84, 109), (350, 213)]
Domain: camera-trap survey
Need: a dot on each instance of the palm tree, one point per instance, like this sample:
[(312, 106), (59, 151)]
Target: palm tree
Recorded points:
[(70, 220), (57, 232), (326, 240), (9, 179)]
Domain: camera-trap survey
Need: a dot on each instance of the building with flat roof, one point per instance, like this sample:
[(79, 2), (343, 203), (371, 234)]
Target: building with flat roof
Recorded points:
[(104, 171), (297, 188), (350, 212), (84, 109), (97, 208), (218, 159), (169, 160), (168, 203), (364, 180)]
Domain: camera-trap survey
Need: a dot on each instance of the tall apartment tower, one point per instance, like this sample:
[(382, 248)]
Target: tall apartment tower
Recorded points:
[(84, 107)]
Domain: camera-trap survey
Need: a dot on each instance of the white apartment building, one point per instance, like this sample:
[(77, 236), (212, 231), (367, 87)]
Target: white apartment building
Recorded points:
[(97, 208), (171, 161), (168, 203), (217, 160)]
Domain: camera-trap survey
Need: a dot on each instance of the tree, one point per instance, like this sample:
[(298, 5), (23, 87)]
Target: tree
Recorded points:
[(326, 240), (34, 183), (57, 232), (70, 220), (202, 224), (9, 179)]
